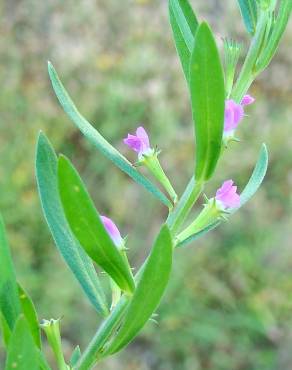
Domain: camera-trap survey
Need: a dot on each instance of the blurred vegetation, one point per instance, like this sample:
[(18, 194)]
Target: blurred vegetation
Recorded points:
[(229, 303)]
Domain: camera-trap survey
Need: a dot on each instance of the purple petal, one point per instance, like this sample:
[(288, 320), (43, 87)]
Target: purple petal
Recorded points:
[(139, 142), (227, 195), (229, 119), (142, 134), (233, 115), (134, 143), (225, 188), (112, 230), (247, 100), (238, 114)]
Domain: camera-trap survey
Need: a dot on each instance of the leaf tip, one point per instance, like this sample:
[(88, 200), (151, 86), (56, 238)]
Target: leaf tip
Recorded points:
[(50, 65)]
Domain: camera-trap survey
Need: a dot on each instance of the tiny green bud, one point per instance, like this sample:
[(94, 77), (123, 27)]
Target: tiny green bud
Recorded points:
[(52, 330), (232, 50)]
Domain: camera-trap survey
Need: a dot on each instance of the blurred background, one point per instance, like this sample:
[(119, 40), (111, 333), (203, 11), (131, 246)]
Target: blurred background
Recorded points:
[(229, 303)]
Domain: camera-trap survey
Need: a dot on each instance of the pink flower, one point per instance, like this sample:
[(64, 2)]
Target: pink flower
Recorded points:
[(227, 195), (139, 142), (234, 113), (112, 230)]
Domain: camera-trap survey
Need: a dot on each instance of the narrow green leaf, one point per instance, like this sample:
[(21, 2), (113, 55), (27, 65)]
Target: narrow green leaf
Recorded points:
[(5, 330), (150, 288), (22, 352), (68, 246), (207, 96), (250, 189), (248, 9), (9, 300), (75, 356), (30, 314), (98, 141), (275, 37), (184, 25), (88, 228), (256, 178)]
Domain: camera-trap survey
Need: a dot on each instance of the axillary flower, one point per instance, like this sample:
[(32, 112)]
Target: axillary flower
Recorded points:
[(119, 242), (139, 143), (226, 196), (234, 114), (216, 208), (149, 157), (113, 231)]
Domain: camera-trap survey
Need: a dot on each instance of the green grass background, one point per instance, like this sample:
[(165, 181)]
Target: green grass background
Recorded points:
[(229, 303)]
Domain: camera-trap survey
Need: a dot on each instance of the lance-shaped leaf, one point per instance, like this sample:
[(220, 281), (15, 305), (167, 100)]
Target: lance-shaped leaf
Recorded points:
[(184, 25), (150, 288), (22, 352), (248, 192), (88, 228), (248, 9), (69, 247), (275, 36), (98, 140), (30, 314), (9, 299), (207, 96)]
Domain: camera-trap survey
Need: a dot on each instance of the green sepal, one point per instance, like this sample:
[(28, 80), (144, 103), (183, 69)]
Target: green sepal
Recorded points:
[(151, 161), (210, 214), (88, 228)]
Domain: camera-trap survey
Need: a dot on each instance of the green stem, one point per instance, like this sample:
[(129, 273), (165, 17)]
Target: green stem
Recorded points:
[(92, 353), (246, 75), (182, 209)]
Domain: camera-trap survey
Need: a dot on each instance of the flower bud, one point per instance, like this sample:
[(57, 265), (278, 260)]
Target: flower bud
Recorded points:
[(113, 231), (52, 330)]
